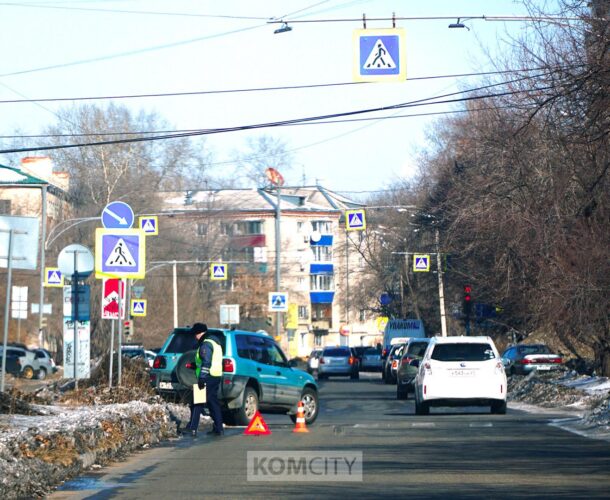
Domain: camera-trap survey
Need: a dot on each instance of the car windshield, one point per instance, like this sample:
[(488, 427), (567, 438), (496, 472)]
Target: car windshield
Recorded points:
[(463, 352), (417, 348), (371, 351), (182, 342), (534, 349), (342, 353)]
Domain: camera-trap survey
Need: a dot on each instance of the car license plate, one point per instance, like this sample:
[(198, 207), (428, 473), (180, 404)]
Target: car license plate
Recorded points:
[(543, 367), (165, 385), (462, 373)]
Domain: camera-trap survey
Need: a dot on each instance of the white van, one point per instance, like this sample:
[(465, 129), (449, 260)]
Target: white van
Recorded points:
[(460, 371)]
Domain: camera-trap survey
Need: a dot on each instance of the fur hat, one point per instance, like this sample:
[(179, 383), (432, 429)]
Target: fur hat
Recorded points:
[(199, 328)]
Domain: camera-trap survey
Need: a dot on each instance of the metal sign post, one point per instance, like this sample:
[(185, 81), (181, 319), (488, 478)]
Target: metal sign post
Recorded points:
[(8, 304), (111, 351)]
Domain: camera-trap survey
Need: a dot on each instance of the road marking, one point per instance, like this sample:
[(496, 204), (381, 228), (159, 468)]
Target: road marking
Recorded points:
[(481, 424), (423, 424)]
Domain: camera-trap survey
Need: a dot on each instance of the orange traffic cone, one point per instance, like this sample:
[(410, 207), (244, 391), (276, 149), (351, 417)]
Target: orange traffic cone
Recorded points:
[(300, 425)]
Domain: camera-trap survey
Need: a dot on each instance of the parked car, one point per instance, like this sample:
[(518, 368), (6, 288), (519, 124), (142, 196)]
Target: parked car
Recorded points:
[(137, 351), (314, 359), (525, 358), (460, 371), (371, 360), (13, 365), (406, 372), (338, 361), (30, 366), (256, 375), (47, 363), (386, 372), (359, 352)]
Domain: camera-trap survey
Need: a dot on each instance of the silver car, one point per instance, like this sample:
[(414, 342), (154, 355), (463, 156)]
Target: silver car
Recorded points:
[(338, 361), (371, 360), (46, 362), (30, 367)]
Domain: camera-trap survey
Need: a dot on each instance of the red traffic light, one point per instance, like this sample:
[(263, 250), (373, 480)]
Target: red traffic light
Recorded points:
[(467, 289), (467, 298)]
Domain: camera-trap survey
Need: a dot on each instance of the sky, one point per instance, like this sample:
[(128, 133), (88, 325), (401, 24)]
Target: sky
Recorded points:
[(68, 49)]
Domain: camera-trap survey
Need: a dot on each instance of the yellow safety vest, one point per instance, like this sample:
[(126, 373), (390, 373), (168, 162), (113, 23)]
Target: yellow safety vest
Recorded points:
[(216, 367)]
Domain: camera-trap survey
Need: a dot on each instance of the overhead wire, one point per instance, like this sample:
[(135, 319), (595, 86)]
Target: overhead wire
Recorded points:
[(319, 118)]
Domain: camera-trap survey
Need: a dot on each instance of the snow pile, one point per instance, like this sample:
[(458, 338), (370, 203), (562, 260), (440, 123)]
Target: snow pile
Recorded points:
[(40, 451), (584, 399)]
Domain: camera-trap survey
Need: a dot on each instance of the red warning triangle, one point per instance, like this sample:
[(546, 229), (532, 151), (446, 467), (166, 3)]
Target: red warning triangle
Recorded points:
[(257, 426)]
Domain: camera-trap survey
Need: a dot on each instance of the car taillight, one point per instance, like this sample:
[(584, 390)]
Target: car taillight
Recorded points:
[(159, 362), (557, 360), (228, 366), (384, 353), (351, 360), (525, 361)]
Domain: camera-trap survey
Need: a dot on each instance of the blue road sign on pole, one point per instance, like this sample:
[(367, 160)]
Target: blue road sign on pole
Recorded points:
[(355, 220), (379, 55), (117, 215), (120, 253), (278, 301)]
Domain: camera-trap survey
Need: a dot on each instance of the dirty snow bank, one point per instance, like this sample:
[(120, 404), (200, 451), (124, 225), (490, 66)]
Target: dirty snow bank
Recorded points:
[(585, 400), (39, 452)]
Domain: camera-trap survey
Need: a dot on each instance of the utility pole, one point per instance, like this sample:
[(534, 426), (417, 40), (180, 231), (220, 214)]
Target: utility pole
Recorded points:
[(441, 293), (278, 249)]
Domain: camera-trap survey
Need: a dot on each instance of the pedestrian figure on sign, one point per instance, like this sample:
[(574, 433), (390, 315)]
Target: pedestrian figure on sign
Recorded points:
[(380, 53), (119, 250)]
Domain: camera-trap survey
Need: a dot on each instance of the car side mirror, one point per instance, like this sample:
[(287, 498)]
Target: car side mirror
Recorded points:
[(414, 362), (505, 361)]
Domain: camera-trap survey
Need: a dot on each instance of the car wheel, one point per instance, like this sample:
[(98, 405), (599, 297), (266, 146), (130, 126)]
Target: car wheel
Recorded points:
[(498, 407), (42, 374), (28, 372), (422, 408), (248, 408), (309, 398), (355, 376), (401, 393)]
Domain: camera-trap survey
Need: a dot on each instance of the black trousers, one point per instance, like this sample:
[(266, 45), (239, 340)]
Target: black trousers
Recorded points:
[(211, 394)]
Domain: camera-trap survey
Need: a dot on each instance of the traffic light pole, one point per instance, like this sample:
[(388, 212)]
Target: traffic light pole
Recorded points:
[(441, 293), (278, 249)]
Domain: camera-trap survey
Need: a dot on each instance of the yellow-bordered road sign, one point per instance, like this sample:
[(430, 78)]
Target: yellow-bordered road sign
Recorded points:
[(120, 253), (138, 307), (379, 55), (53, 277), (149, 224), (421, 263), (355, 220), (218, 271)]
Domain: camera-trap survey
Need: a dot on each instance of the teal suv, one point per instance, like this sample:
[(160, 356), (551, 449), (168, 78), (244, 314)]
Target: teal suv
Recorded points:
[(256, 375)]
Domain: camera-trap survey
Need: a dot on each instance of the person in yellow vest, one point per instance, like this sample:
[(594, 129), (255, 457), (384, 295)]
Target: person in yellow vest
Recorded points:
[(208, 368)]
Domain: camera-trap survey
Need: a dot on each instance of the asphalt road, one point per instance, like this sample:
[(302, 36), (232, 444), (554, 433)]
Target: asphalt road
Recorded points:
[(451, 453)]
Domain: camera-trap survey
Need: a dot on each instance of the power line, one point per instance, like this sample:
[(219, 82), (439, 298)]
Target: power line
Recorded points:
[(261, 89), (294, 121)]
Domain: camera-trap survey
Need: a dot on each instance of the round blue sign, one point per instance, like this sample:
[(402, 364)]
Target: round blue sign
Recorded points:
[(385, 299), (117, 215)]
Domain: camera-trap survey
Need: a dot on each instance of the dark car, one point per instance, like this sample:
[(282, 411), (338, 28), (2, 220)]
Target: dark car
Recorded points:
[(387, 375), (256, 375), (407, 370), (526, 358), (13, 364), (338, 361)]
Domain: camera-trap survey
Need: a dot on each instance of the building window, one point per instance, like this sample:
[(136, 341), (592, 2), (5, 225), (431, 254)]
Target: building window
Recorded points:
[(303, 312), (321, 282), (317, 340), (322, 226), (301, 284), (322, 253), (300, 225), (321, 312), (362, 315), (202, 229), (247, 227), (5, 207)]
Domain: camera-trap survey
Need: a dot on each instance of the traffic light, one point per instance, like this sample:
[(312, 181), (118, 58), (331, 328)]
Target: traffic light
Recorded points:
[(467, 301), (269, 321), (128, 327)]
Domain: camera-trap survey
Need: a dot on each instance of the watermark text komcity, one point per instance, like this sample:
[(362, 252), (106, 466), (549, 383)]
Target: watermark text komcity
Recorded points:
[(298, 465)]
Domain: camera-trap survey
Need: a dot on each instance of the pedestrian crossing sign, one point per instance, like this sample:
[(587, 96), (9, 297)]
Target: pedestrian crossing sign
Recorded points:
[(120, 253), (379, 55), (138, 307), (421, 263), (218, 271), (355, 220), (149, 224), (278, 301), (53, 277)]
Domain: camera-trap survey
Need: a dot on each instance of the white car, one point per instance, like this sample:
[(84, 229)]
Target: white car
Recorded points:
[(460, 371)]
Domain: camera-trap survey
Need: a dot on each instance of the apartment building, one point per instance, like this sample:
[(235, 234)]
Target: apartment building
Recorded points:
[(319, 261)]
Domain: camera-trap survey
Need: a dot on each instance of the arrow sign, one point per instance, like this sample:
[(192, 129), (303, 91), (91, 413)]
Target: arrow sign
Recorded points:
[(117, 215)]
